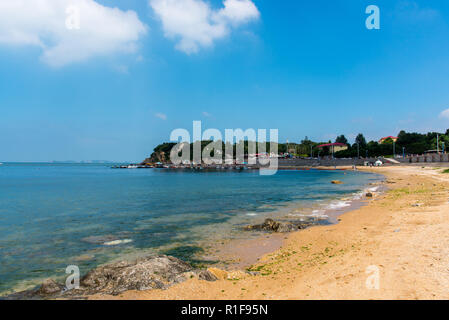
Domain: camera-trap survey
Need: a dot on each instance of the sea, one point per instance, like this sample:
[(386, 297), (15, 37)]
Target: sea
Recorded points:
[(57, 215)]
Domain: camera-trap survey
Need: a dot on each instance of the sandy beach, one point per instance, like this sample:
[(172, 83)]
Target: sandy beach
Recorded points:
[(401, 234)]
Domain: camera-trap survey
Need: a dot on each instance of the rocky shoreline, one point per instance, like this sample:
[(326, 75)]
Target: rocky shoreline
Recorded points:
[(146, 273), (281, 227), (151, 272)]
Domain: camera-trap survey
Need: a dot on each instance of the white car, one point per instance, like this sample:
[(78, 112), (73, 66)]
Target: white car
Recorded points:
[(378, 163)]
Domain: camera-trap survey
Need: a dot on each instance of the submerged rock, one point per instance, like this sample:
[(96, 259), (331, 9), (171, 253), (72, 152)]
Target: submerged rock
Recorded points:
[(336, 182), (271, 225), (117, 242), (99, 239), (84, 257)]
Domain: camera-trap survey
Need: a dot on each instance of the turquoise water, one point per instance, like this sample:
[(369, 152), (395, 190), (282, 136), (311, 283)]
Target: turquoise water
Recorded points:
[(55, 215)]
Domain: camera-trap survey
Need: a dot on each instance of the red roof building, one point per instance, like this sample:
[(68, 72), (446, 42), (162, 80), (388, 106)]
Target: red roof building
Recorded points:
[(382, 140), (335, 147), (336, 144)]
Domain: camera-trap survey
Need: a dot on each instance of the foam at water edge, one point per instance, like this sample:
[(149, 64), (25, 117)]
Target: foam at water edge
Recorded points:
[(338, 205), (117, 242)]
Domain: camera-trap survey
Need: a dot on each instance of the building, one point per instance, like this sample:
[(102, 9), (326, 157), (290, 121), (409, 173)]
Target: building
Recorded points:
[(334, 147), (382, 140)]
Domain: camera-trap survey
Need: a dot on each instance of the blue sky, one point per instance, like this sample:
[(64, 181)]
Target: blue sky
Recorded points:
[(308, 68)]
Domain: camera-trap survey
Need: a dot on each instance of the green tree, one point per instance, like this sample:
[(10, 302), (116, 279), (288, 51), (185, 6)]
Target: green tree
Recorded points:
[(360, 140), (341, 139)]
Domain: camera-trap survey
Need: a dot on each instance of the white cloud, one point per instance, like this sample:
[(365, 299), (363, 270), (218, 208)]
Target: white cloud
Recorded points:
[(121, 69), (412, 13), (239, 11), (195, 24), (207, 114), (445, 114), (102, 30), (161, 116)]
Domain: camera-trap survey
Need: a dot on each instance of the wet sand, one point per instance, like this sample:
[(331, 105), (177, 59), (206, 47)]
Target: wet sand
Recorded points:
[(401, 234), (240, 254)]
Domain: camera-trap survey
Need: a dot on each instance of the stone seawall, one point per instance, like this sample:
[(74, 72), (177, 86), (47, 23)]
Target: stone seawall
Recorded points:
[(435, 159), (430, 158), (322, 162)]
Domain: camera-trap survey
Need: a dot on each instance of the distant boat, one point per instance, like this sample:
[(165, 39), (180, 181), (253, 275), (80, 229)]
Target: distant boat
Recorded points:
[(131, 166)]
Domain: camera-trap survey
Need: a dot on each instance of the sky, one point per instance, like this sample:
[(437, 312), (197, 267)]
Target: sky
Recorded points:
[(111, 79)]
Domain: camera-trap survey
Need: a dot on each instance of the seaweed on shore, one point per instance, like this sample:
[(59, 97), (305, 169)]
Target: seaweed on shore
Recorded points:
[(190, 254)]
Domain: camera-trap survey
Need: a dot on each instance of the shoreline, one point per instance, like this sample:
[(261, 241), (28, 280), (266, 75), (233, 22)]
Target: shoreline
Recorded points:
[(271, 241), (252, 240), (241, 253), (330, 262)]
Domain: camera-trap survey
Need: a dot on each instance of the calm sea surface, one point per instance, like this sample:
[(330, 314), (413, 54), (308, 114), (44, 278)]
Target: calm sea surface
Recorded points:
[(55, 215)]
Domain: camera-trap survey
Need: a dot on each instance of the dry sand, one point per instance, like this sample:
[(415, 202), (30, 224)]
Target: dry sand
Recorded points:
[(403, 234)]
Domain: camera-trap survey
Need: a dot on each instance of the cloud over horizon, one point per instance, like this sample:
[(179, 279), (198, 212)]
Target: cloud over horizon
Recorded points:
[(102, 30), (409, 12), (444, 114), (161, 116), (195, 25)]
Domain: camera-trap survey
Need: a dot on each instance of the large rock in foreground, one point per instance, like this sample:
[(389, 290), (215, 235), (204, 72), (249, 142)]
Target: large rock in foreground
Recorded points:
[(152, 272), (157, 272), (49, 287)]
